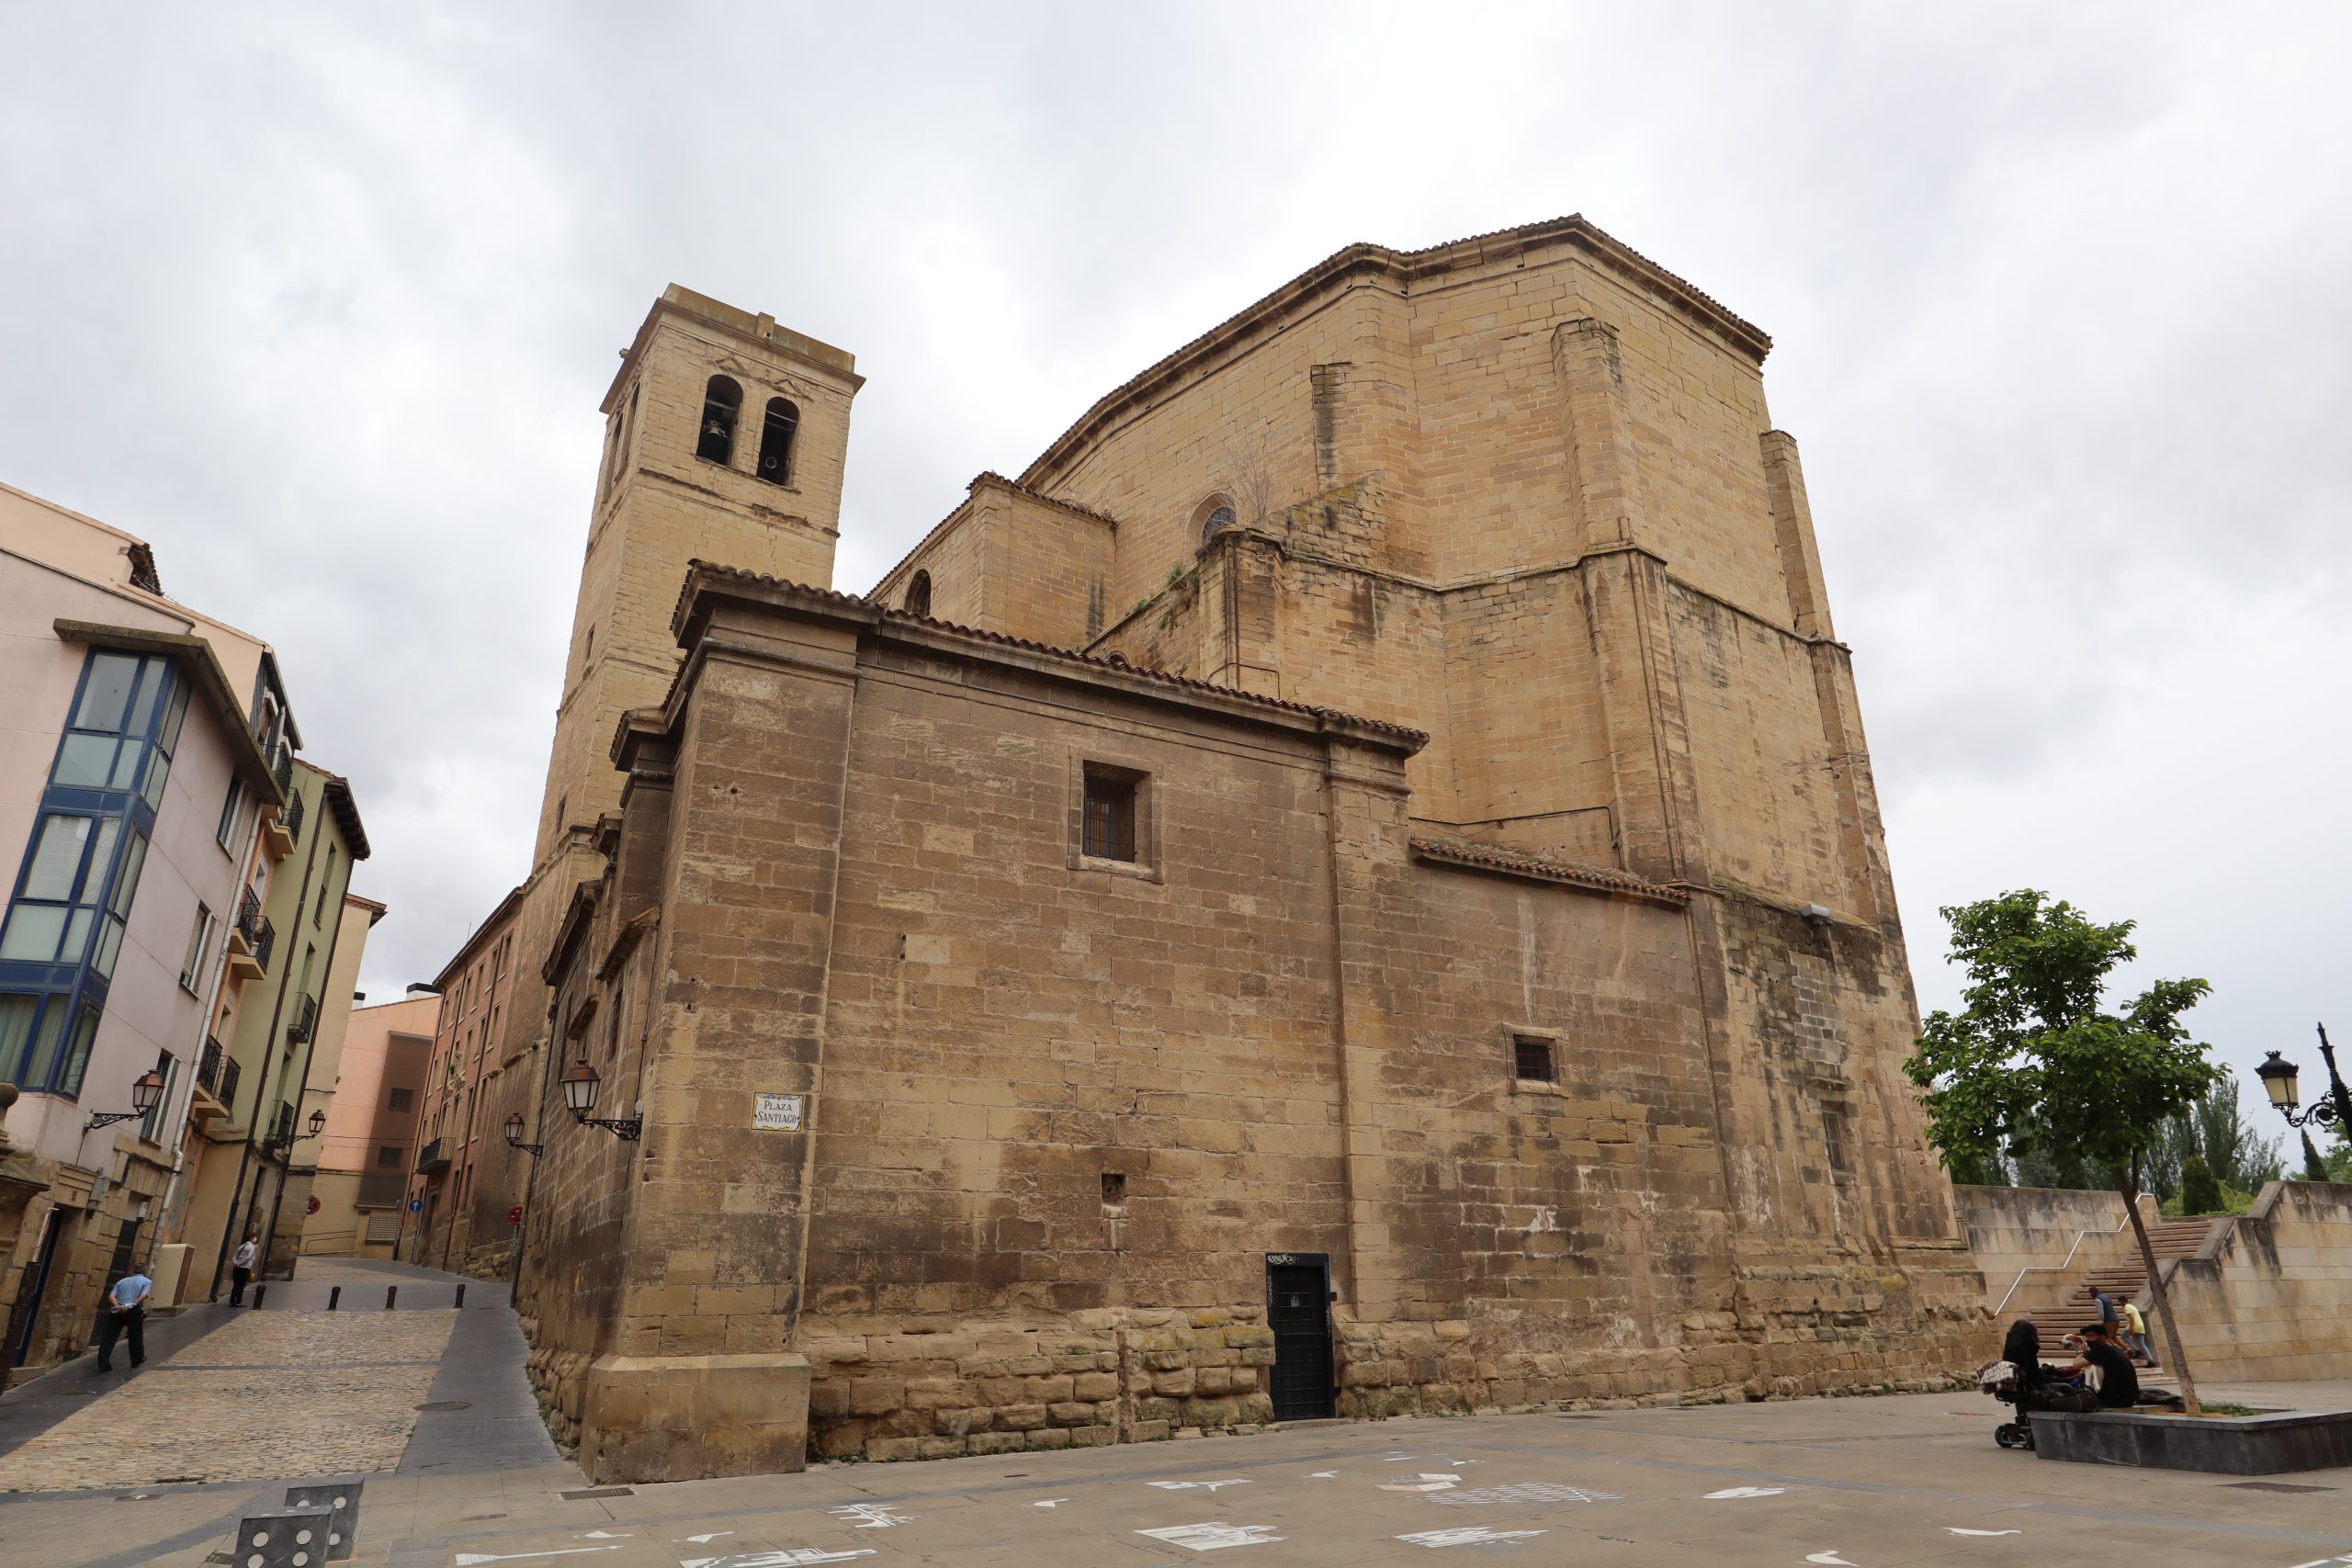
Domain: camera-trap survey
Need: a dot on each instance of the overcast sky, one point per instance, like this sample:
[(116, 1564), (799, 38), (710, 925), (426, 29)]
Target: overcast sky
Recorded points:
[(320, 302)]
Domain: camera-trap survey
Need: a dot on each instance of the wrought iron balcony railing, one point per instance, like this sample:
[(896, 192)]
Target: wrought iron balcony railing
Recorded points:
[(306, 1021), (267, 940)]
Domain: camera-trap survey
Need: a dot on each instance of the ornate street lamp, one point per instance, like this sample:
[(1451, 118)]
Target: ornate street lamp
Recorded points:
[(579, 1084), (514, 1137), (145, 1090), (318, 1126), (2279, 1074)]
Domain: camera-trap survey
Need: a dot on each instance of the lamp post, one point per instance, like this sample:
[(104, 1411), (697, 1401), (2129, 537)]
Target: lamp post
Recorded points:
[(145, 1090), (579, 1084), (514, 1137), (2278, 1077)]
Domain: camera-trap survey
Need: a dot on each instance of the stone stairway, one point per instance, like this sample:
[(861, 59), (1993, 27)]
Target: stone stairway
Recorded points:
[(2061, 1306)]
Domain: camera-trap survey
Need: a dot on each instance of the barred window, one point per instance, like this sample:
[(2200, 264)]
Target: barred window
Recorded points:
[(1532, 1058), (1110, 816)]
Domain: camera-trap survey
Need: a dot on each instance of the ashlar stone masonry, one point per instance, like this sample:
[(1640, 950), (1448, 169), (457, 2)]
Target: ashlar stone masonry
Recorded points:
[(1351, 887)]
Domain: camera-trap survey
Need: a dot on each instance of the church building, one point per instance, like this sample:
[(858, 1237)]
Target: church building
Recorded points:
[(1350, 886)]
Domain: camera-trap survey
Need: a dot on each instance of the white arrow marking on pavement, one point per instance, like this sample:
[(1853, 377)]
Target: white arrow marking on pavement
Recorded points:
[(1050, 1502), (1957, 1530), (793, 1557), (1746, 1492), (1830, 1557), (1468, 1535), (878, 1515), (1325, 1475), (468, 1559), (1213, 1536), (1428, 1483), (604, 1535), (1193, 1486), (706, 1539)]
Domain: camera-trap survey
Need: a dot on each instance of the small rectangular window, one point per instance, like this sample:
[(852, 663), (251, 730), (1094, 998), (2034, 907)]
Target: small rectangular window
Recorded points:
[(167, 1067), (231, 810), (403, 1099), (1110, 816), (200, 947), (1532, 1058), (388, 1156), (1114, 1190)]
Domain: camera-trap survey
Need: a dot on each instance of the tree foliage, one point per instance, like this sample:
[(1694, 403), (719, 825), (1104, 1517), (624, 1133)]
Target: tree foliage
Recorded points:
[(2215, 1129), (2199, 1193), (2034, 1063)]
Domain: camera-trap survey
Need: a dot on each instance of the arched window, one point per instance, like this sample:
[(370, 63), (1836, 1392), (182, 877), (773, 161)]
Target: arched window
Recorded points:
[(918, 595), (721, 398), (775, 442), (1214, 513)]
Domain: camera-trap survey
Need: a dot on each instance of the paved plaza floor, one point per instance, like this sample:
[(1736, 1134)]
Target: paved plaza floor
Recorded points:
[(471, 1482)]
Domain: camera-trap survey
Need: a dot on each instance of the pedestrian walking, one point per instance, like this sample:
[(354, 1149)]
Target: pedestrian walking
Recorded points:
[(2135, 1335), (126, 1314), (241, 1272), (2107, 1313)]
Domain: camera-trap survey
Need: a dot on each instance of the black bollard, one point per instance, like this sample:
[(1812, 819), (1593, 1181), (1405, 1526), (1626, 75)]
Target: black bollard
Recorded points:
[(259, 1291), (392, 1294), (334, 1296), (461, 1294)]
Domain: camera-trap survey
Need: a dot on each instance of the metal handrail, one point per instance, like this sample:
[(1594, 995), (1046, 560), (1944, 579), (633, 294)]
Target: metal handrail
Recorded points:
[(2061, 1267)]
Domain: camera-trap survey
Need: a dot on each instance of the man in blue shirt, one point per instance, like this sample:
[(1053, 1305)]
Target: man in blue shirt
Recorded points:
[(125, 1309)]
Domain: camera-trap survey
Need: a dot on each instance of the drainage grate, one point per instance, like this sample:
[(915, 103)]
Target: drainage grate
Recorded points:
[(449, 1404), (598, 1492), (2274, 1486)]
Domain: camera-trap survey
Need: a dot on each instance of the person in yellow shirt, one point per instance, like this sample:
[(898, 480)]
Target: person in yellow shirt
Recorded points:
[(2135, 1335)]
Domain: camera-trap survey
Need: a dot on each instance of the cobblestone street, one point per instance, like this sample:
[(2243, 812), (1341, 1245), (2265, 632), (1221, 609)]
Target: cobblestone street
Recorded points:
[(273, 1394)]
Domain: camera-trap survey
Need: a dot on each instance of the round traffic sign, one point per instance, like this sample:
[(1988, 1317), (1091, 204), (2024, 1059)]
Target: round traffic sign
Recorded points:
[(515, 1215), (416, 1205)]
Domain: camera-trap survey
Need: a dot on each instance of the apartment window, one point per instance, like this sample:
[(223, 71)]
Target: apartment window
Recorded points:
[(167, 1067), (1532, 1059), (403, 1100), (200, 946), (775, 442), (231, 810), (721, 398), (64, 897), (1109, 821), (44, 1042), (388, 1156), (918, 595)]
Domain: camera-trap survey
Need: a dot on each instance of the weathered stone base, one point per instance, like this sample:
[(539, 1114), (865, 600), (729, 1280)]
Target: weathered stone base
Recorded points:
[(648, 1418), (1138, 1375), (2225, 1445)]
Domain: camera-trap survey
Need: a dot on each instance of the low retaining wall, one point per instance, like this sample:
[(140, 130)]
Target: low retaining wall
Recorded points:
[(2272, 1297), (2014, 1229), (2223, 1445)]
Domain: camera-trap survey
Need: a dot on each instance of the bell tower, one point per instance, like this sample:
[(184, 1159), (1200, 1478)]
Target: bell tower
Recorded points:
[(725, 439)]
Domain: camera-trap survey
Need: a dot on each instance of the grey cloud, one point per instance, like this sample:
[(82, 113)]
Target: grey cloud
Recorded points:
[(321, 303)]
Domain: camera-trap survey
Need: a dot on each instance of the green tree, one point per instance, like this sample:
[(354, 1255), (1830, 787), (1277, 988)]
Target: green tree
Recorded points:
[(2214, 1129), (2314, 1165), (2199, 1192), (2034, 1062)]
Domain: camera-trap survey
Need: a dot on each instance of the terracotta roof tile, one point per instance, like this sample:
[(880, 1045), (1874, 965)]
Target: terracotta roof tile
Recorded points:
[(700, 572), (1519, 862)]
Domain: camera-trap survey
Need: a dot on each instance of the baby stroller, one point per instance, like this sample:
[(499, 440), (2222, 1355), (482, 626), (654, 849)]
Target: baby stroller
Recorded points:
[(2009, 1381), (2000, 1380)]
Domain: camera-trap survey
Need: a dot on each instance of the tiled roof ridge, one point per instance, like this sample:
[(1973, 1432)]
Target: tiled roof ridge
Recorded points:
[(699, 568), (1574, 223), (1448, 847), (984, 477)]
